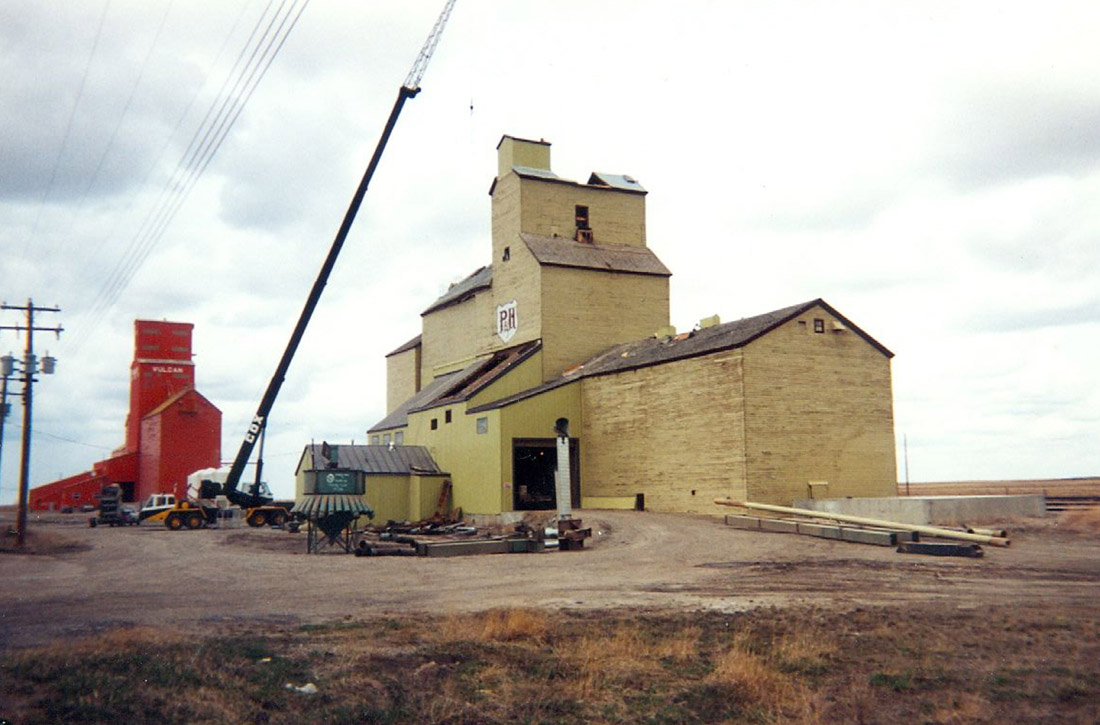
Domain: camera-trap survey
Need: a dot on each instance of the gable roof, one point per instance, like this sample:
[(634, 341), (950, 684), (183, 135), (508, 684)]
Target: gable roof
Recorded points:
[(481, 279), (564, 252), (654, 351), (378, 460), (174, 399)]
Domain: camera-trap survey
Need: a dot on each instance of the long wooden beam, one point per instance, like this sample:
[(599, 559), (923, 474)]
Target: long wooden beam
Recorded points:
[(929, 530)]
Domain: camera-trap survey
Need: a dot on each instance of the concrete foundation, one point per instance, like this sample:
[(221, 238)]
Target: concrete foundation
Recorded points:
[(945, 510)]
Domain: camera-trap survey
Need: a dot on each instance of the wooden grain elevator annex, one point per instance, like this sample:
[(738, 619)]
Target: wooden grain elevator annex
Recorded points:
[(570, 319)]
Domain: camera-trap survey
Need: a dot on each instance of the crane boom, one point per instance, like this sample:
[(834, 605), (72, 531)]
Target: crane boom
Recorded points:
[(257, 495)]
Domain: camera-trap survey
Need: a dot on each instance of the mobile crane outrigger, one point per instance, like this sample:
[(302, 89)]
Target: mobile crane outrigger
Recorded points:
[(256, 500)]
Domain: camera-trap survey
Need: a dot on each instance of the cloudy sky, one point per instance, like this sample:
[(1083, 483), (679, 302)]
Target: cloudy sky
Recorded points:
[(929, 169)]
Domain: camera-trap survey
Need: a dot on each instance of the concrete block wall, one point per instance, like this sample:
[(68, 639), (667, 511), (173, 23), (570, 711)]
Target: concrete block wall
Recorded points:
[(944, 510)]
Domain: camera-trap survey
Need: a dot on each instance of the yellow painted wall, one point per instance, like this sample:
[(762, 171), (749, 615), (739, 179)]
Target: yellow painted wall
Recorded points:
[(667, 431), (402, 377), (588, 311), (534, 418), (389, 497), (472, 459), (819, 407)]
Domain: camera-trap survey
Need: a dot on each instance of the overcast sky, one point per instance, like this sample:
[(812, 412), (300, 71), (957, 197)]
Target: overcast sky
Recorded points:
[(930, 169)]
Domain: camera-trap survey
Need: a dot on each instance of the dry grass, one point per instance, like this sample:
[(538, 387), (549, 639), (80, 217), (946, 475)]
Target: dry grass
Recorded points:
[(529, 666), (1082, 521)]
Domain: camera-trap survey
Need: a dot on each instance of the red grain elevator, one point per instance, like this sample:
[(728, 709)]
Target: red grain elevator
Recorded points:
[(171, 428)]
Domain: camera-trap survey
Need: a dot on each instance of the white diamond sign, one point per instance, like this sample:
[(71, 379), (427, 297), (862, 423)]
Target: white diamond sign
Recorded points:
[(507, 320)]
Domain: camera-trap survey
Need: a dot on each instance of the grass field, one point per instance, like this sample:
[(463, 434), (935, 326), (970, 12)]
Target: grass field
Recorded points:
[(934, 664)]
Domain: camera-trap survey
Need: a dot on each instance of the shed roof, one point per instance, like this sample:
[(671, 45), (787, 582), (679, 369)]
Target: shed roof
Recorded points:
[(399, 417), (564, 252), (380, 460), (481, 279), (459, 386), (623, 182), (410, 345)]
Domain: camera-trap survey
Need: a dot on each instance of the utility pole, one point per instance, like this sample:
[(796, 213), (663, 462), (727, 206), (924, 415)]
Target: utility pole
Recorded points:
[(30, 367)]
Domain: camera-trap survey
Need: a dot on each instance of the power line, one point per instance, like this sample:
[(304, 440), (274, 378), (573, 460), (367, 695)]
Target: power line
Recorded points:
[(94, 176), (190, 170), (68, 131)]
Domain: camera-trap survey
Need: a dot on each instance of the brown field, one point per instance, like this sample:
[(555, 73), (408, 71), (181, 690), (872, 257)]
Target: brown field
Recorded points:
[(664, 619), (1048, 487)]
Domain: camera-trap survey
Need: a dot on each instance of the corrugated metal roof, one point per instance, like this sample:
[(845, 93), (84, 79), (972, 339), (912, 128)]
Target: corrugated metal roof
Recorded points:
[(460, 291), (318, 505), (380, 460), (623, 182), (563, 252)]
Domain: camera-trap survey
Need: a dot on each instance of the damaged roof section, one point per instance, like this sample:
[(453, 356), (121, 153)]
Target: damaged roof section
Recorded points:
[(481, 279), (563, 252), (655, 351), (480, 375), (399, 418), (459, 386)]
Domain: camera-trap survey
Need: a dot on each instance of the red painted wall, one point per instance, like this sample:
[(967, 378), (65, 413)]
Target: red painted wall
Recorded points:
[(179, 437)]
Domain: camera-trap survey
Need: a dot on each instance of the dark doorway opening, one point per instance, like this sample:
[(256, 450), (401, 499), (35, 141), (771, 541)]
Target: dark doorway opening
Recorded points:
[(534, 461), (127, 491)]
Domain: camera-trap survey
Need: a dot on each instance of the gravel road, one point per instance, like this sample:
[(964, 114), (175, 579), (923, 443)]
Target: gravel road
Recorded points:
[(81, 580)]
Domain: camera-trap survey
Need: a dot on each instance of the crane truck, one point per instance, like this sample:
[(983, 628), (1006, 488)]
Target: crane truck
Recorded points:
[(200, 509)]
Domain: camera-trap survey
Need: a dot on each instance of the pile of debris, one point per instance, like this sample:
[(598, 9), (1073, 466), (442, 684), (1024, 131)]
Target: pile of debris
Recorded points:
[(439, 537), (862, 530)]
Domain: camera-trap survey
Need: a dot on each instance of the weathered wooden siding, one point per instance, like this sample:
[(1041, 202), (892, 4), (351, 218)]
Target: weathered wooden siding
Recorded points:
[(818, 407), (402, 377), (454, 336), (673, 432), (587, 311), (549, 209)]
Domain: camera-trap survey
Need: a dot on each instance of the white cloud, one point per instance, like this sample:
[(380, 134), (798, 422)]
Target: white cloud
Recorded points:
[(928, 168)]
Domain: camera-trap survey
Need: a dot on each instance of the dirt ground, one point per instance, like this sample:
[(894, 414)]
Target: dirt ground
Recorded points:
[(76, 580)]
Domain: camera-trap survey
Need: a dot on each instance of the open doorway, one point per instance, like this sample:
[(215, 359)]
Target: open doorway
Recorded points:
[(534, 461)]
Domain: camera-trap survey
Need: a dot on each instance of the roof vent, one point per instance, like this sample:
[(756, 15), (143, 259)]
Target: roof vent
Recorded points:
[(712, 321)]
